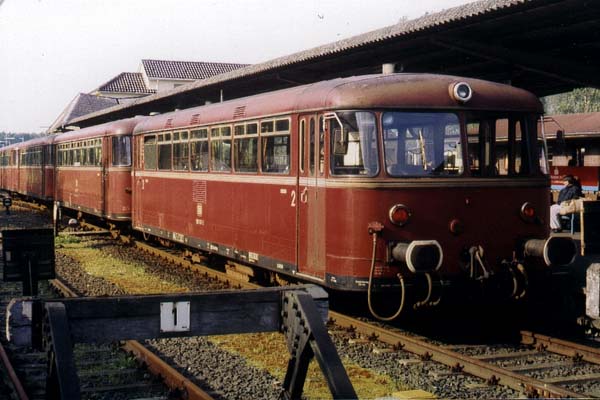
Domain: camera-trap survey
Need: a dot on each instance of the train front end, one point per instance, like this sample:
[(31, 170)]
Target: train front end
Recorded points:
[(448, 198)]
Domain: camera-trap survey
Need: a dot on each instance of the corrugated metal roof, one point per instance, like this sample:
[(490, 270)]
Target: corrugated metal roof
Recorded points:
[(126, 82), (192, 70)]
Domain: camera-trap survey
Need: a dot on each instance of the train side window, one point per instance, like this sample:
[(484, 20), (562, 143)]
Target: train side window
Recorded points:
[(275, 141), (98, 152), (302, 148), (77, 156), (312, 144), (321, 147), (246, 148), (181, 151), (541, 145), (121, 152), (354, 143), (518, 148), (165, 151), (150, 153), (220, 149), (199, 149)]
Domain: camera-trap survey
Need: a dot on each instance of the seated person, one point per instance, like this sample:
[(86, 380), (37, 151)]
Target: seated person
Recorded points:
[(569, 192)]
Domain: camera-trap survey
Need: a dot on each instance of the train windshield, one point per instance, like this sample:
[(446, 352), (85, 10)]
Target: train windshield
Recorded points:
[(431, 144), (422, 143)]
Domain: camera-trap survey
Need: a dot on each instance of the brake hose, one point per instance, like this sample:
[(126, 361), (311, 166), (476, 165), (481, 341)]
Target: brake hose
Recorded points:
[(371, 273)]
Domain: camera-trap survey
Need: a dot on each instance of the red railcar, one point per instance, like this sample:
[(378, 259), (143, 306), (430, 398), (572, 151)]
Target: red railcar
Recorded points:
[(357, 183), (93, 170), (9, 160), (36, 168)]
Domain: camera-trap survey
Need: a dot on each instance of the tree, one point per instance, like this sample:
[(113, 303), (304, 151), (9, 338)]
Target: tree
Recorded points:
[(583, 100)]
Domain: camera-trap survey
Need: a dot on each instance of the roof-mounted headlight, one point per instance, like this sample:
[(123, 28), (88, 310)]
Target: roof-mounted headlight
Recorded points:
[(461, 91)]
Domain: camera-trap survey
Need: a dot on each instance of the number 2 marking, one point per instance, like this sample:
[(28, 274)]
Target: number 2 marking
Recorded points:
[(293, 195)]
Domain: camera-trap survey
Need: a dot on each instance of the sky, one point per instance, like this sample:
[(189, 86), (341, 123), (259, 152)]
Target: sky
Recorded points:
[(51, 50)]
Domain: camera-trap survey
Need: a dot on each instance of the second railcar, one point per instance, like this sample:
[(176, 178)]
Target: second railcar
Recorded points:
[(93, 170)]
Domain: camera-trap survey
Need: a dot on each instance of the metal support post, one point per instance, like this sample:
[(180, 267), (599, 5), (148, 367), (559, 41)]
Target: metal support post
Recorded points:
[(62, 382), (307, 337)]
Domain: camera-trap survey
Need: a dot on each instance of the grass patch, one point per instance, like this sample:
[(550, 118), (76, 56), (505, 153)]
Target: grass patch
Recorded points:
[(131, 277), (268, 351), (66, 240)]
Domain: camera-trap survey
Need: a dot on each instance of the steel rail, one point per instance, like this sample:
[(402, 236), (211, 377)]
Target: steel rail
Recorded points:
[(16, 382), (178, 260), (171, 377), (562, 347), (491, 373)]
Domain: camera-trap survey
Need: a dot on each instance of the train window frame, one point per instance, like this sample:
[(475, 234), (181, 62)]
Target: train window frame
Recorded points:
[(181, 151), (302, 145), (121, 151), (271, 142), (519, 145), (150, 159), (220, 149), (245, 147), (164, 147), (415, 145), (340, 139), (312, 145), (199, 149)]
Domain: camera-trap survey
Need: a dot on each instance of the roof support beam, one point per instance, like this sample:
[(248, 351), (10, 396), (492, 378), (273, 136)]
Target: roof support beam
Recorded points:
[(548, 66)]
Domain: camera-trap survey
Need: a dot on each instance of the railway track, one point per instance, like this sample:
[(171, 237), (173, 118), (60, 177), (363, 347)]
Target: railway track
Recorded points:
[(175, 381), (484, 367), (492, 368), (105, 372)]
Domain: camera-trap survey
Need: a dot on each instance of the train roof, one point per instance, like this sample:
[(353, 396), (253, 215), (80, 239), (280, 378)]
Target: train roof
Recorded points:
[(409, 91), (31, 142), (114, 128)]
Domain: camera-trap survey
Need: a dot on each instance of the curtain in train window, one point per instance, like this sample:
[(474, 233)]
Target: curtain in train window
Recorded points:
[(354, 144), (276, 154), (181, 151), (121, 151), (220, 149), (246, 154), (199, 149)]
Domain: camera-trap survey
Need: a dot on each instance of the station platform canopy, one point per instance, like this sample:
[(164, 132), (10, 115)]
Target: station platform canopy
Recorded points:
[(545, 46)]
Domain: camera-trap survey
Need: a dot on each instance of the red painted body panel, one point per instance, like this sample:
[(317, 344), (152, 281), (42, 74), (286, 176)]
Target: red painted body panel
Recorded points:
[(484, 211), (254, 217), (80, 188), (102, 190)]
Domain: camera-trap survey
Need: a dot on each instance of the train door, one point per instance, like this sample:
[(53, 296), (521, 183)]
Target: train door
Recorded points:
[(105, 159), (311, 221), (43, 161), (139, 165)]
